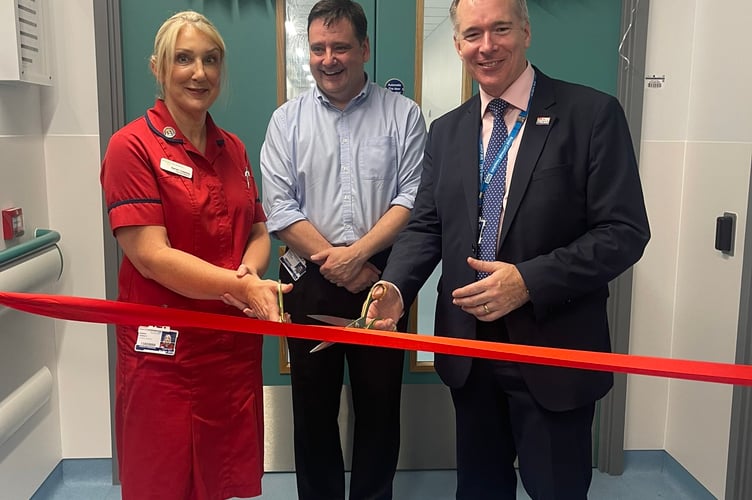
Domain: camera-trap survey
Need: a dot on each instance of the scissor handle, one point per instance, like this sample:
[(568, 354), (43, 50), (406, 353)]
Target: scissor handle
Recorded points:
[(378, 291), (280, 302), (375, 293)]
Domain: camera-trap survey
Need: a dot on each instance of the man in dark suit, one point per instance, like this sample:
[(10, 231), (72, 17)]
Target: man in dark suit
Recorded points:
[(573, 219)]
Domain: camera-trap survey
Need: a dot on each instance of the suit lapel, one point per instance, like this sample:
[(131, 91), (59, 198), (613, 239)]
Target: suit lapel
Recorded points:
[(468, 130), (533, 139)]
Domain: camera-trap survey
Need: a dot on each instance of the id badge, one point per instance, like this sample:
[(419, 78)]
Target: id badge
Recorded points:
[(157, 340), (294, 264)]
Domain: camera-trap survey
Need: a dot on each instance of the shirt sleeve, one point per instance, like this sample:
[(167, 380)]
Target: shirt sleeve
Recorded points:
[(129, 184), (279, 178), (411, 159)]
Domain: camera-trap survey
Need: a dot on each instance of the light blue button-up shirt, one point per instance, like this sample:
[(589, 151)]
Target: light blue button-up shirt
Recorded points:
[(341, 169)]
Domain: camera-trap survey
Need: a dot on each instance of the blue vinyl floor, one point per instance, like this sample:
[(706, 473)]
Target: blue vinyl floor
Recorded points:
[(647, 475)]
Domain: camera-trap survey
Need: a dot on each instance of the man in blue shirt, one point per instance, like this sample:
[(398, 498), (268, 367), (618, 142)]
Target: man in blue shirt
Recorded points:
[(340, 168)]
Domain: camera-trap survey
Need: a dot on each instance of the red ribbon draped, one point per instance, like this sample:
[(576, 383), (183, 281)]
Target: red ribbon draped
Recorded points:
[(124, 313)]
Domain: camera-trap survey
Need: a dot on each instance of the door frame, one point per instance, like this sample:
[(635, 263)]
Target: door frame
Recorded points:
[(111, 118), (630, 90), (738, 479)]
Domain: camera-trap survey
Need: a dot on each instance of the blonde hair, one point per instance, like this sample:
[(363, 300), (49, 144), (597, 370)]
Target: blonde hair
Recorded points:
[(163, 57)]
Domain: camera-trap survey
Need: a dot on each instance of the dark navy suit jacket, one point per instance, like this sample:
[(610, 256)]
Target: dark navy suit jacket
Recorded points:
[(575, 219)]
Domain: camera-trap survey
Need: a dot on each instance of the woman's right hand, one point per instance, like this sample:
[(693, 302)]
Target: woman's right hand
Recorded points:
[(260, 297)]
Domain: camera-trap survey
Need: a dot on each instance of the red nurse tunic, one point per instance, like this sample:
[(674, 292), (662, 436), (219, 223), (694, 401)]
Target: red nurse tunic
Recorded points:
[(188, 426)]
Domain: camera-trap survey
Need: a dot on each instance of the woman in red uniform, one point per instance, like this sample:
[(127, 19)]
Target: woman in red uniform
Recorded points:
[(185, 210)]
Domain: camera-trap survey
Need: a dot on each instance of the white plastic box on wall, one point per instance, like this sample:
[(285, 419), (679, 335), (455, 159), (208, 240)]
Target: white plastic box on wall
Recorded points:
[(24, 42)]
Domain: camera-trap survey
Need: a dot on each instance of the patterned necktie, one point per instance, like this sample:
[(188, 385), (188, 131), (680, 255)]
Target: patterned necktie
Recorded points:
[(493, 198)]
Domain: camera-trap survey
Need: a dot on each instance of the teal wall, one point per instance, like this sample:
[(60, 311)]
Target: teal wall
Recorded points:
[(576, 40), (395, 51)]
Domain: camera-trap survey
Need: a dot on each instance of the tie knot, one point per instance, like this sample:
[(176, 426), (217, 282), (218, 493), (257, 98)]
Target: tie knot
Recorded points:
[(497, 107)]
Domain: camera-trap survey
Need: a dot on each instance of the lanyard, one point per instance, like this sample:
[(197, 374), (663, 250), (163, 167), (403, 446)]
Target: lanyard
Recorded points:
[(485, 180)]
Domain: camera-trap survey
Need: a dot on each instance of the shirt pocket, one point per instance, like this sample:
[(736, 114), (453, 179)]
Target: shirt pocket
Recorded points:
[(378, 159)]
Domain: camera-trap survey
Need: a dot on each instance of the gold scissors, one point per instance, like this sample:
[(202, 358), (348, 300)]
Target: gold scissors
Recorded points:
[(280, 302), (375, 293)]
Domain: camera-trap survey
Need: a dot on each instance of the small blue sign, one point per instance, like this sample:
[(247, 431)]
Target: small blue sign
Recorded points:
[(395, 85)]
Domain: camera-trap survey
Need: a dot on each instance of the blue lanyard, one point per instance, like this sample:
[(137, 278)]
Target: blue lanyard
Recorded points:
[(485, 180)]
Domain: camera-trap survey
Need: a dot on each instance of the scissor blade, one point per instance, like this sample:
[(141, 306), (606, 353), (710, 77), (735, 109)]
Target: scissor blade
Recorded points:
[(321, 346), (333, 320)]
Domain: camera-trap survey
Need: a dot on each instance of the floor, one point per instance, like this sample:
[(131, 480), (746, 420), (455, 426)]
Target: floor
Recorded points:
[(647, 475)]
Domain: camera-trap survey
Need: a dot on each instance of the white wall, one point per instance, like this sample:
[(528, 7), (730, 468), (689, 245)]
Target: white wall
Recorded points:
[(71, 146), (695, 164), (27, 343), (49, 167)]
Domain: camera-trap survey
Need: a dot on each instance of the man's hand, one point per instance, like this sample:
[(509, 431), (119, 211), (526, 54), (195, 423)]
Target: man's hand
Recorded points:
[(387, 307), (340, 265), (368, 275), (494, 296)]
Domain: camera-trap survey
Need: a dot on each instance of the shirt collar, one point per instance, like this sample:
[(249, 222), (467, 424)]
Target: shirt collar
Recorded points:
[(517, 94), (362, 95), (161, 123)]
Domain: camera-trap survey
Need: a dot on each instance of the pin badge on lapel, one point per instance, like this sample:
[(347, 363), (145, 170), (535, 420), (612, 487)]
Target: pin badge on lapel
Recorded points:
[(543, 120), (169, 132)]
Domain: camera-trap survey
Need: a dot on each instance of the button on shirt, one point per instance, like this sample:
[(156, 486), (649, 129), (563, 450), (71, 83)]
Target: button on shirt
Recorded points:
[(341, 169)]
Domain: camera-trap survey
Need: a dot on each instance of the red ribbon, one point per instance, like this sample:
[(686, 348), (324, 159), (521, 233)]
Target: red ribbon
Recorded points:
[(124, 313)]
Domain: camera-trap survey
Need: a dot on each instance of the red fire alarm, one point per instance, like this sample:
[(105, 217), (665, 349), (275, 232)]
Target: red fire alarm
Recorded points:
[(13, 225)]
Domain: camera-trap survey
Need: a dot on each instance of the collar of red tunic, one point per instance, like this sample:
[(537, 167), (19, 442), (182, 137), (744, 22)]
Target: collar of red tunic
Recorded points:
[(161, 123)]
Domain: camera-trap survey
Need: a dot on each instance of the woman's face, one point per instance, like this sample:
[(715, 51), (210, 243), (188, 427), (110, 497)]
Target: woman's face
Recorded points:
[(192, 85)]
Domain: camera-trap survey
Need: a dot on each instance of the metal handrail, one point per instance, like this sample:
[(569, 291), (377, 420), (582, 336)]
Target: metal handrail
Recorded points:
[(43, 239)]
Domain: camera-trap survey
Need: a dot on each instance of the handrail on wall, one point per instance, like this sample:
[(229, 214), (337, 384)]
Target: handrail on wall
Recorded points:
[(43, 239)]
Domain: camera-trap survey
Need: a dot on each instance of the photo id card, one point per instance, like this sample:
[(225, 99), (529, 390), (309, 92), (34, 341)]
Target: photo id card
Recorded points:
[(157, 339), (294, 264)]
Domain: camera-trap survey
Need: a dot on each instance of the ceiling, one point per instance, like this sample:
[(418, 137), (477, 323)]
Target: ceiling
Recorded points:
[(435, 13)]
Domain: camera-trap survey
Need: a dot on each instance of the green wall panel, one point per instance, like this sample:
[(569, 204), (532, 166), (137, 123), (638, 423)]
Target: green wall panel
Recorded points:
[(577, 40), (395, 52)]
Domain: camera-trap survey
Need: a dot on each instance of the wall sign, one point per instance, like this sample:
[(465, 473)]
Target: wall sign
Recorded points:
[(395, 85)]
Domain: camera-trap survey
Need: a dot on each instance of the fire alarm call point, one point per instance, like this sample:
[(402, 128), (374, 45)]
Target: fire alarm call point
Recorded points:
[(13, 225)]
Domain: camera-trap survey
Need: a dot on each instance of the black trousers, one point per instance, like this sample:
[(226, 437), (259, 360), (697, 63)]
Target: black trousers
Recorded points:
[(376, 383), (498, 420)]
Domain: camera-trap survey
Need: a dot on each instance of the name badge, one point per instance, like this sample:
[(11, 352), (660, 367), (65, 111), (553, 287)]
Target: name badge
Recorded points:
[(294, 264), (157, 339), (176, 168)]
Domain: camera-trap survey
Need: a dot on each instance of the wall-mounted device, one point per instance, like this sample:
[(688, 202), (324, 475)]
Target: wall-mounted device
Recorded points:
[(24, 42), (13, 224), (725, 227)]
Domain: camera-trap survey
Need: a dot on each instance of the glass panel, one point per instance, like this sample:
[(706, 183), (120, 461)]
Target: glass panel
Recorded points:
[(441, 85), (298, 77), (442, 77)]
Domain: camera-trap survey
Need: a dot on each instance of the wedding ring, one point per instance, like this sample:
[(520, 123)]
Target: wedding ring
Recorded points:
[(485, 308)]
